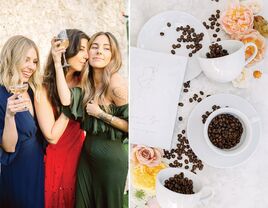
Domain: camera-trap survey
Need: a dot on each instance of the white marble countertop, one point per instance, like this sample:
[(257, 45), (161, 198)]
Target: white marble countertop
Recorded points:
[(245, 186)]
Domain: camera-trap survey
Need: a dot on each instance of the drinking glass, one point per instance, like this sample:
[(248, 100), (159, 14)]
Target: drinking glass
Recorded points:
[(18, 89), (63, 37)]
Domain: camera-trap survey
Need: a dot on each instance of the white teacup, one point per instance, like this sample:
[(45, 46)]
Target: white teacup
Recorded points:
[(170, 199), (229, 67), (245, 137)]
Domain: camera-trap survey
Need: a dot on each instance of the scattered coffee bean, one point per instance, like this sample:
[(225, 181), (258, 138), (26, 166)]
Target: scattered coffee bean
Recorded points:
[(181, 104), (207, 113), (185, 90), (212, 22), (180, 118), (169, 24), (173, 52), (162, 34)]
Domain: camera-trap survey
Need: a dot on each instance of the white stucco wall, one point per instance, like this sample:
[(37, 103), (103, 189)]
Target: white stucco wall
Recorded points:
[(40, 20)]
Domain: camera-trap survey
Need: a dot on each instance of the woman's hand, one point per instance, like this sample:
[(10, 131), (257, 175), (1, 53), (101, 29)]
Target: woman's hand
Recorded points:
[(93, 109), (57, 50), (16, 103)]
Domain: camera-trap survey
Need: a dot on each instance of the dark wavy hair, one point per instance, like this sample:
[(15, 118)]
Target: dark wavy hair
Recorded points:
[(49, 81)]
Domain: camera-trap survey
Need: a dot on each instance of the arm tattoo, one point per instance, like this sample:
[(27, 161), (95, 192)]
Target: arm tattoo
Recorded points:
[(120, 93), (105, 117)]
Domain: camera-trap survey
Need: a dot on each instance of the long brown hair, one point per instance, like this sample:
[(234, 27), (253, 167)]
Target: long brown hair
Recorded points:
[(87, 82), (49, 83), (11, 57)]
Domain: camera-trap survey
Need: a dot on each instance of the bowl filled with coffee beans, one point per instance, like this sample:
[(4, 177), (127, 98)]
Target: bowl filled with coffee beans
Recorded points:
[(224, 61), (177, 187), (228, 131)]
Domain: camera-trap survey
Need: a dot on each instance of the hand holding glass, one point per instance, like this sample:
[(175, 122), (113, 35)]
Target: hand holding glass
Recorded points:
[(19, 89), (63, 37)]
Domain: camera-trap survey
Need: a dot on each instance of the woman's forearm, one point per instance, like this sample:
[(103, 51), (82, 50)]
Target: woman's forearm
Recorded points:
[(114, 121), (10, 134), (62, 87), (57, 129), (51, 128)]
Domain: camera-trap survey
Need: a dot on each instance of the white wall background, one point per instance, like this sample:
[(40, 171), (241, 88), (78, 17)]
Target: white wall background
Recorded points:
[(40, 20)]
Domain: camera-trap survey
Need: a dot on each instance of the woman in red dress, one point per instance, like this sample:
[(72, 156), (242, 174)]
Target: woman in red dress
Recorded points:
[(64, 136)]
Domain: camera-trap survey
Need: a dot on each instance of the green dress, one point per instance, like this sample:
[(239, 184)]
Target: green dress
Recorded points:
[(103, 164)]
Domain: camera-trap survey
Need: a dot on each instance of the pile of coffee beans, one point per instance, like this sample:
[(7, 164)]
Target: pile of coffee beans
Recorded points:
[(183, 155), (216, 51), (180, 184), (214, 24), (188, 36), (225, 131), (207, 113)]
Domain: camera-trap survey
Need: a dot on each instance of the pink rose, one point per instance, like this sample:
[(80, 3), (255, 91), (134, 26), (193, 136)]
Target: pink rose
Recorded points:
[(148, 156), (255, 37), (237, 19)]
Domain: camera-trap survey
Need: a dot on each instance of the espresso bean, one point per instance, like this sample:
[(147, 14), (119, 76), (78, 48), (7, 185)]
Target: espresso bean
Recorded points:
[(225, 131), (162, 34), (180, 184), (169, 24), (173, 52)]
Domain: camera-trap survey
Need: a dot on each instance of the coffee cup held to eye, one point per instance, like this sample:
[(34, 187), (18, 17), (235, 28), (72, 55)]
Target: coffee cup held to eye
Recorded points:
[(228, 67)]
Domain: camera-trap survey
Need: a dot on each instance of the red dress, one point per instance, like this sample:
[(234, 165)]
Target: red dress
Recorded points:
[(60, 167)]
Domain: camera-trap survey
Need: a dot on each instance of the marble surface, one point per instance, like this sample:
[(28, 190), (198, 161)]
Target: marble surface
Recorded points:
[(244, 186)]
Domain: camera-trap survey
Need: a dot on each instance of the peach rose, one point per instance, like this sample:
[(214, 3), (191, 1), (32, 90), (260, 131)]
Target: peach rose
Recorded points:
[(146, 155), (255, 5), (255, 37), (237, 19)]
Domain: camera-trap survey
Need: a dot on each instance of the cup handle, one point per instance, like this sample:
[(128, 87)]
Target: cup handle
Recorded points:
[(253, 55), (206, 194)]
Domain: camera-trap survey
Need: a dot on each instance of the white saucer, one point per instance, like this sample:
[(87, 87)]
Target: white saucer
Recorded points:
[(149, 37), (196, 137)]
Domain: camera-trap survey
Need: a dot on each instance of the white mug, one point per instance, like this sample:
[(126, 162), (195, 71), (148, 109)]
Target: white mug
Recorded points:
[(229, 67), (170, 199), (246, 136)]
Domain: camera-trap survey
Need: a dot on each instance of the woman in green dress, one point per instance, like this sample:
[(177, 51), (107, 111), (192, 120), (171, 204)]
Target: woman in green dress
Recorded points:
[(102, 106)]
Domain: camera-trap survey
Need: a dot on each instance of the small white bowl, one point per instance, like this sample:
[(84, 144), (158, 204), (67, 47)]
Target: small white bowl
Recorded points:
[(170, 199), (245, 137)]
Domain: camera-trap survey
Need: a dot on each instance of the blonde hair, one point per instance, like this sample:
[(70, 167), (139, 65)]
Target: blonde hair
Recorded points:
[(12, 55), (87, 82)]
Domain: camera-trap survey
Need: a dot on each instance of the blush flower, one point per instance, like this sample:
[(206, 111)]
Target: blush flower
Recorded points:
[(237, 19), (146, 155), (255, 37), (255, 5)]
